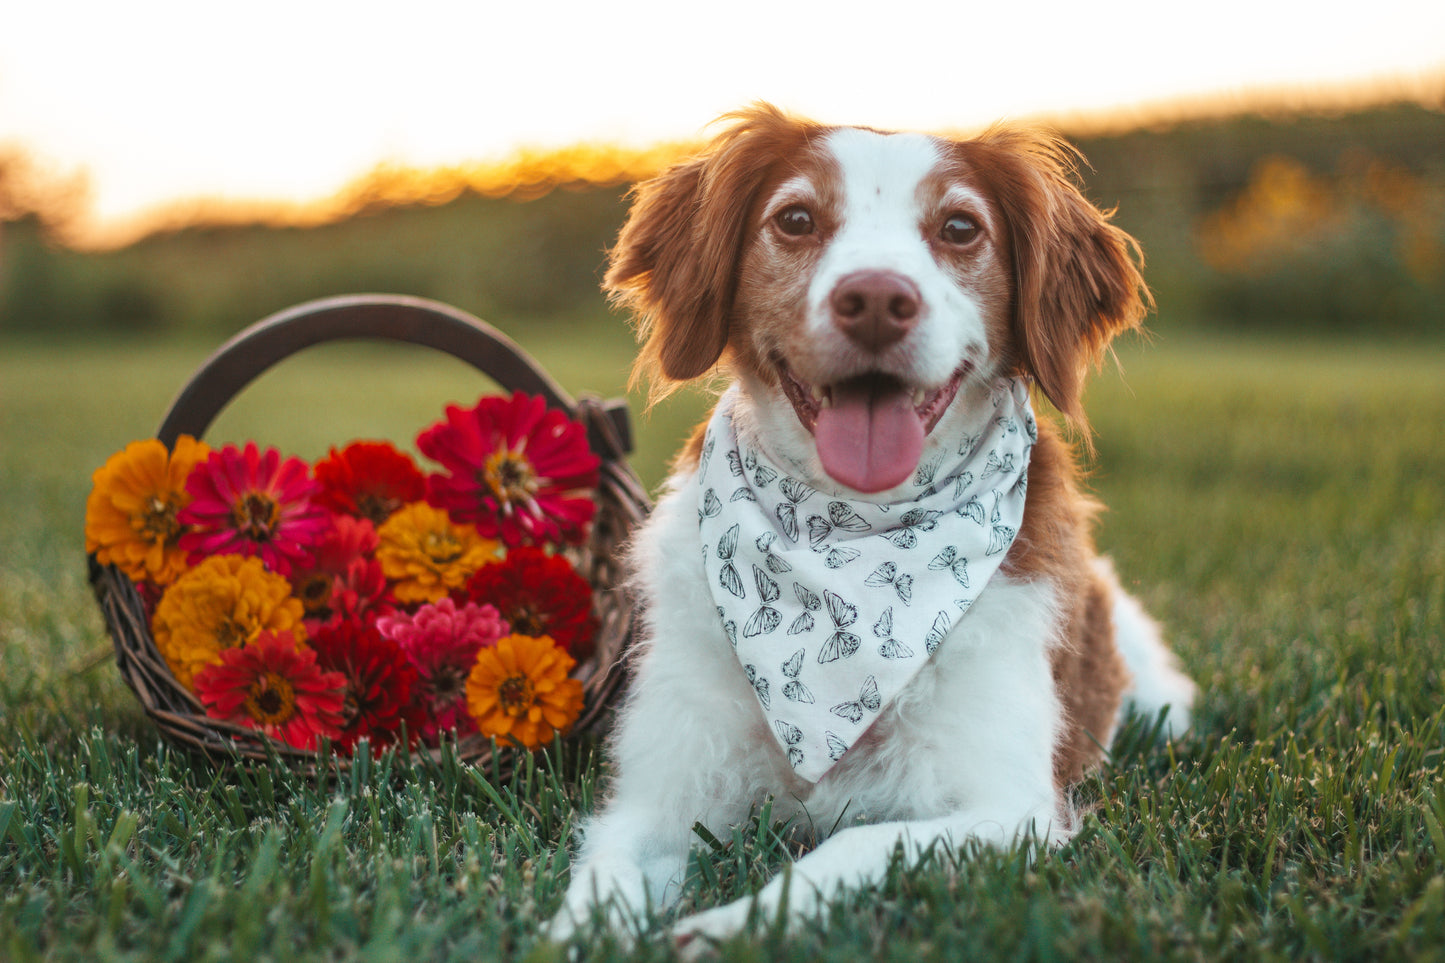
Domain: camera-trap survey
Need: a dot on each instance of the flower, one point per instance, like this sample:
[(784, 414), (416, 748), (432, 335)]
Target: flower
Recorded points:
[(442, 641), (340, 575), (539, 594), (519, 689), (379, 683), (225, 602), (248, 502), (426, 555), (276, 686), (132, 515), (369, 479), (516, 469)]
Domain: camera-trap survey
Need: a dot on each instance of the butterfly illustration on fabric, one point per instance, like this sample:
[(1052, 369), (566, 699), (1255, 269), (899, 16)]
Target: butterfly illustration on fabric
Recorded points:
[(1007, 424), (793, 690), (891, 647), (999, 539), (728, 576), (762, 474), (771, 559), (887, 574), (961, 481), (711, 507), (937, 633), (973, 508), (796, 493), (841, 644), (836, 746), (927, 469), (744, 494), (759, 684), (868, 701), (968, 444), (730, 628), (912, 522), (811, 603), (766, 618), (998, 464), (840, 518), (708, 445), (950, 560), (791, 736)]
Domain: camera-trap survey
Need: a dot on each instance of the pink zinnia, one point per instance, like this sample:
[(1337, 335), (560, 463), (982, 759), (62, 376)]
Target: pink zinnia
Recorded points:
[(442, 640), (248, 502), (519, 471)]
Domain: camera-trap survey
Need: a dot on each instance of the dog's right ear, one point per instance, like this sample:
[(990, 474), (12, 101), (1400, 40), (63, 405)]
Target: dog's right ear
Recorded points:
[(676, 259)]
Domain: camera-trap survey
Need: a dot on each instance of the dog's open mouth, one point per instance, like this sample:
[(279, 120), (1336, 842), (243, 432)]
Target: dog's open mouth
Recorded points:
[(870, 428)]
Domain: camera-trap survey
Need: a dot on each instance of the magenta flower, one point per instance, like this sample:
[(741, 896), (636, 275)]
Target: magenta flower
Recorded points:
[(518, 470), (442, 640), (253, 503)]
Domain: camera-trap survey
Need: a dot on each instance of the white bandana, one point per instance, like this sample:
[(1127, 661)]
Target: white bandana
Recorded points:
[(817, 592)]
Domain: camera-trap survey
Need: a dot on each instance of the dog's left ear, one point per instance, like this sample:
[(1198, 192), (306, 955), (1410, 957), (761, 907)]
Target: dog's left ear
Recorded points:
[(1076, 276)]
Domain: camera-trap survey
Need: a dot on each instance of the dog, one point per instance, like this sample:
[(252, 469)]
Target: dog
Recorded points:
[(869, 591)]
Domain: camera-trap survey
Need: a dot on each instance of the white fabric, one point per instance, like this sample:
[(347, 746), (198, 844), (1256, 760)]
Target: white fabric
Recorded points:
[(832, 603)]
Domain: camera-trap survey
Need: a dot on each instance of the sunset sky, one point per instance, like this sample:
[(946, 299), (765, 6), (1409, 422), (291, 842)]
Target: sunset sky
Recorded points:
[(288, 99)]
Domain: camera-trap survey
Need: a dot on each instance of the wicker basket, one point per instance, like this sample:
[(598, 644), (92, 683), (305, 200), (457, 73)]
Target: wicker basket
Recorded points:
[(622, 503)]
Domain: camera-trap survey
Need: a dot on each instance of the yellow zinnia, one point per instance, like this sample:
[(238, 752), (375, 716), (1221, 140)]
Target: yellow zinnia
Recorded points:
[(426, 555), (130, 516), (224, 602), (519, 689)]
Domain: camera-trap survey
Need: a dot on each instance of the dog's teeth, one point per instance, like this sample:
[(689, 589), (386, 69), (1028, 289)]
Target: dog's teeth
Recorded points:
[(824, 397), (918, 396)]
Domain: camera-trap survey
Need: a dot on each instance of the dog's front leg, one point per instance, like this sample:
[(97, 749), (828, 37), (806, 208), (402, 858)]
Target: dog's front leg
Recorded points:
[(859, 857)]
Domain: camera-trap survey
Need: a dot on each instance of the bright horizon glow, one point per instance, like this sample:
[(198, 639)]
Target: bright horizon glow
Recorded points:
[(158, 101)]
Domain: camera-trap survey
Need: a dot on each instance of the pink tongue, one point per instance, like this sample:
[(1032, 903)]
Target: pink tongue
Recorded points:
[(869, 439)]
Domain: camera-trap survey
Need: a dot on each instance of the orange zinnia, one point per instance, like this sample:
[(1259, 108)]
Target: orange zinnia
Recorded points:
[(225, 602), (131, 515), (427, 556), (519, 689)]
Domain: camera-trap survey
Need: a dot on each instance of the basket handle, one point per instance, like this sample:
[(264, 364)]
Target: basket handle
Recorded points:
[(244, 357)]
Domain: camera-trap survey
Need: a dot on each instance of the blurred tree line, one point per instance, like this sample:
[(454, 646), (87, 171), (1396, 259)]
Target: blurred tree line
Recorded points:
[(1289, 223)]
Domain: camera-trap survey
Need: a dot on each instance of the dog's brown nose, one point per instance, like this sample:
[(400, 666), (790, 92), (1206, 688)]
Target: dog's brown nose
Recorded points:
[(875, 308)]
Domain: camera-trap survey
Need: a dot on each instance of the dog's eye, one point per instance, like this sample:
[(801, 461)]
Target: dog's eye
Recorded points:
[(794, 220), (959, 229)]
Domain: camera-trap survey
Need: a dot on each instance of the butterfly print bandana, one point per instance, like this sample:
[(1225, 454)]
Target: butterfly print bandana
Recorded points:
[(834, 603)]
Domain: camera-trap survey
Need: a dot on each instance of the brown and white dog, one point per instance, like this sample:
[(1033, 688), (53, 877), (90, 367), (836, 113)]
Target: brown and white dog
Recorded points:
[(868, 293)]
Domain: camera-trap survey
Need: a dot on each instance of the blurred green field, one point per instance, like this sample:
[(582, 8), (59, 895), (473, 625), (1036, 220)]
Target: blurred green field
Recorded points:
[(1280, 506)]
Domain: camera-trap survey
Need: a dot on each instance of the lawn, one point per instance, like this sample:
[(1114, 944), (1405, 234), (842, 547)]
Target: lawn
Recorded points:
[(1280, 507)]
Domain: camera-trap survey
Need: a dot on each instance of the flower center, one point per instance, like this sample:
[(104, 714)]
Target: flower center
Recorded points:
[(510, 477), (157, 521), (442, 547), (315, 593), (376, 507), (526, 620), (515, 695), (230, 634), (271, 700), (256, 516)]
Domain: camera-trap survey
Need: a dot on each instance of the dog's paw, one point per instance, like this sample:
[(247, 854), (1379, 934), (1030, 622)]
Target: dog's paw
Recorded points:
[(698, 935)]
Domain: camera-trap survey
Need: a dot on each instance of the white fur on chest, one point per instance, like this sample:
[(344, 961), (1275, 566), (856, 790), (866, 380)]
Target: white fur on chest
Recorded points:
[(974, 729)]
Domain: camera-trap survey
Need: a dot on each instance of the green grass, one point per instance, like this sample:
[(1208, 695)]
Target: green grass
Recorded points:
[(1281, 508)]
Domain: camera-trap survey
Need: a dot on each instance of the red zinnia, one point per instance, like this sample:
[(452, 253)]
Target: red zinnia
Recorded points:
[(341, 577), (248, 502), (519, 471), (369, 479), (539, 594), (276, 686), (378, 685)]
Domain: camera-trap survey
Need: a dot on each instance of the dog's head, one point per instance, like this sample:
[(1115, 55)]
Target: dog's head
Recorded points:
[(858, 282)]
